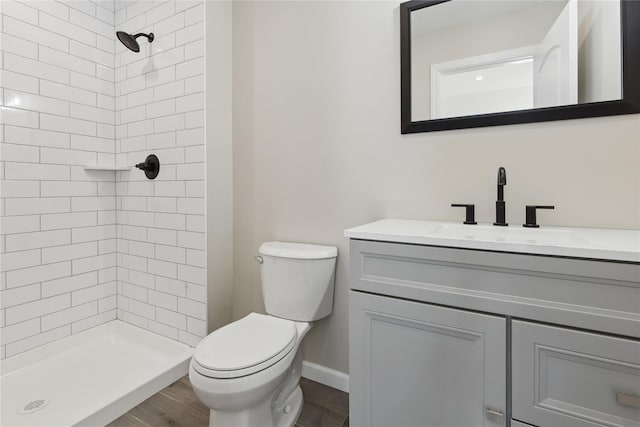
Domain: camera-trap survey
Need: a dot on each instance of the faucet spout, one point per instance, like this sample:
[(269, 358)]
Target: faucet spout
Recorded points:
[(500, 204), (502, 181)]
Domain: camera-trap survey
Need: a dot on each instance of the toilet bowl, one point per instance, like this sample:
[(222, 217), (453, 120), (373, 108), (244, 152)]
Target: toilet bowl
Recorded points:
[(248, 371)]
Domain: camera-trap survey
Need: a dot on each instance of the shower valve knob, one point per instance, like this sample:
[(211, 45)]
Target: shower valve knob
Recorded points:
[(151, 166)]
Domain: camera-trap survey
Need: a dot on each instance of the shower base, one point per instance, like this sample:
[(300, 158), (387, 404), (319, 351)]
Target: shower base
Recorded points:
[(89, 378)]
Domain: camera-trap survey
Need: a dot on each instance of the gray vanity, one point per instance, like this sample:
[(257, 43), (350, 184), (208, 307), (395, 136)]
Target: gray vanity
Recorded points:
[(454, 325)]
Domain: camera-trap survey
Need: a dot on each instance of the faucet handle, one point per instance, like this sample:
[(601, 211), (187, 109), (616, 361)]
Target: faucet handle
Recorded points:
[(470, 212), (530, 213), (150, 166)]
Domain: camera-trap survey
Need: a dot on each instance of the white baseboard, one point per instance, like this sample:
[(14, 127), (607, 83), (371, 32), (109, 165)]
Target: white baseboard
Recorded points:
[(327, 376)]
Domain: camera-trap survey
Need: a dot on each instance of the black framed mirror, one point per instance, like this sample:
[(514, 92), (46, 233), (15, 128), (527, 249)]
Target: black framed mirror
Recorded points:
[(467, 64)]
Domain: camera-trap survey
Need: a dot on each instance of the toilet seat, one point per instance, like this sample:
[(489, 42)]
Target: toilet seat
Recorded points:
[(245, 346)]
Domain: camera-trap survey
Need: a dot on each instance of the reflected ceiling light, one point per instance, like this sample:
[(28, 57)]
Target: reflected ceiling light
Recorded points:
[(478, 78), (14, 101)]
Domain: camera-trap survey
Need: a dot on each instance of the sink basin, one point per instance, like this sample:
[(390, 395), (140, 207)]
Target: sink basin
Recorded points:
[(535, 236), (592, 243)]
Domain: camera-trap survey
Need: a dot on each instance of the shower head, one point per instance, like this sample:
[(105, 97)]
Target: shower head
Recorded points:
[(130, 41)]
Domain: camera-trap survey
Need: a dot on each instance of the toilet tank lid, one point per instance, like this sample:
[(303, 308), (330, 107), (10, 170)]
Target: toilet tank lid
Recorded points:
[(297, 250)]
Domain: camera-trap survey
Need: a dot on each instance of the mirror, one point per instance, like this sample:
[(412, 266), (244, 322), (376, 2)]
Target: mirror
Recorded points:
[(473, 63)]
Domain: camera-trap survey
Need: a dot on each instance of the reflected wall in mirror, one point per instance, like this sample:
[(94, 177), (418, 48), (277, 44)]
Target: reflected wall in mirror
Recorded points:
[(470, 63)]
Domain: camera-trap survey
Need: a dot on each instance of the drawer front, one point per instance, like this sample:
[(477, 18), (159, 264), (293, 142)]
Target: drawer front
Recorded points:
[(600, 296), (564, 377)]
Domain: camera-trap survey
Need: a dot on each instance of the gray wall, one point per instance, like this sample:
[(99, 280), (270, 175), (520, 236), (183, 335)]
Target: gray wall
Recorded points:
[(219, 163), (317, 149)]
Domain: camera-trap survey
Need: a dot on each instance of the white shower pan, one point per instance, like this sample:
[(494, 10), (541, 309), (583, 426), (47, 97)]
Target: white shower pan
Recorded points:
[(89, 378)]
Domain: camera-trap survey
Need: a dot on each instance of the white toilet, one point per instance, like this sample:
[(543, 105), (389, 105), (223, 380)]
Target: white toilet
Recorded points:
[(248, 371)]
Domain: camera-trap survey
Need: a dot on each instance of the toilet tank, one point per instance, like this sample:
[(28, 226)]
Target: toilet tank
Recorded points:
[(298, 279)]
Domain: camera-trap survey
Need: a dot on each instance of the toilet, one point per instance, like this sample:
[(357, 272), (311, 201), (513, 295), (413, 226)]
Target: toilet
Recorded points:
[(248, 371)]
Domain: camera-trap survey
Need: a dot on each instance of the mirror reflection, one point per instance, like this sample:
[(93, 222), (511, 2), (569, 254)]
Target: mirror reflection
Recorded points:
[(473, 57)]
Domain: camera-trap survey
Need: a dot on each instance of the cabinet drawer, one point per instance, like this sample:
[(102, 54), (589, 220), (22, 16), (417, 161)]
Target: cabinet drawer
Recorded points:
[(564, 377)]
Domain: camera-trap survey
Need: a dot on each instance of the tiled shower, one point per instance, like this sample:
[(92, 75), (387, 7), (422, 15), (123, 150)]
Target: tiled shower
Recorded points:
[(82, 246)]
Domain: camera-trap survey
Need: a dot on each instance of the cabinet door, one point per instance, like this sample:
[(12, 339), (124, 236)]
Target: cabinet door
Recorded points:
[(569, 378), (416, 364)]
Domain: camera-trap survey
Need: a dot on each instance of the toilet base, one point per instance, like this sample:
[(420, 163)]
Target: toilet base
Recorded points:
[(263, 415), (289, 413)]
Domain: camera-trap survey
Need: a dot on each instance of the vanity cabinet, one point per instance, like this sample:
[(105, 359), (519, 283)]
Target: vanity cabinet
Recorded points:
[(443, 336)]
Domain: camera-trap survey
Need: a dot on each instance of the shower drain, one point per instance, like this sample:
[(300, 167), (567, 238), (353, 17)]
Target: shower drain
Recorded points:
[(34, 406)]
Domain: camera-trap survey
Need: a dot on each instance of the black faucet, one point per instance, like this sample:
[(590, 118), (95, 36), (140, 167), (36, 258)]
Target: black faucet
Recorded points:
[(500, 205)]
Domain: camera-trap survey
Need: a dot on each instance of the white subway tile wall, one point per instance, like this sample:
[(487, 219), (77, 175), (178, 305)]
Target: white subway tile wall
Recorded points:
[(161, 275), (79, 248), (58, 221)]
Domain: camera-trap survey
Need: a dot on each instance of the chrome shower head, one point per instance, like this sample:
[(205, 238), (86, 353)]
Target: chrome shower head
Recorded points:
[(130, 41)]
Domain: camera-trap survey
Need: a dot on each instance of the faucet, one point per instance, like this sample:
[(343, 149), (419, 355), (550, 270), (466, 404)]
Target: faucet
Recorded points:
[(500, 205)]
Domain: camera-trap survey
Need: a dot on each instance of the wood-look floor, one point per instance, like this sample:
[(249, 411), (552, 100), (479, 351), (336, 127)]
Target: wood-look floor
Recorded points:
[(178, 406)]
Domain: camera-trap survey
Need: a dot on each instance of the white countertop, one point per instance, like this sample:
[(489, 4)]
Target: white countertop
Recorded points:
[(593, 243)]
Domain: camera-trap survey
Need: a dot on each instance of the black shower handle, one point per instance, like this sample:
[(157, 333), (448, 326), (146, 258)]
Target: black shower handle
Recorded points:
[(144, 166), (151, 166)]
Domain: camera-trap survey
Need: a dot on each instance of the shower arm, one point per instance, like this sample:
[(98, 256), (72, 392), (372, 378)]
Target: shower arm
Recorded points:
[(148, 36)]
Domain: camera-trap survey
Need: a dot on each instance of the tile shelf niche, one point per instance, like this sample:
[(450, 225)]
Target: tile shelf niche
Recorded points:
[(106, 168)]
